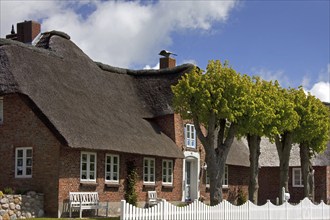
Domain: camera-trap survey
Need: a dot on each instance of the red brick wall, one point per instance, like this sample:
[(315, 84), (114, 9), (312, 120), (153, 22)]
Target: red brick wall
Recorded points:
[(269, 179), (23, 128), (70, 177)]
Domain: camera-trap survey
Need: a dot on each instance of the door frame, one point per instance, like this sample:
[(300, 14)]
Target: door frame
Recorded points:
[(194, 157)]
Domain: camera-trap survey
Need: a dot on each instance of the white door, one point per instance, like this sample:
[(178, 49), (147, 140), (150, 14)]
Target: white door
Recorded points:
[(188, 181)]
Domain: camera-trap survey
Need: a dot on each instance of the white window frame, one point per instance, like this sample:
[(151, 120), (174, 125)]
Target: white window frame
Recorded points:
[(189, 131), (167, 172), (1, 110), (294, 170), (224, 180), (24, 162), (149, 170), (88, 166), (111, 168)]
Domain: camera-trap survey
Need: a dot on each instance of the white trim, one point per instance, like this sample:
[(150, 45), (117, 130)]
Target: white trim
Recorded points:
[(150, 170), (24, 162), (189, 130), (168, 167), (112, 171), (194, 156), (88, 166), (1, 110), (297, 169)]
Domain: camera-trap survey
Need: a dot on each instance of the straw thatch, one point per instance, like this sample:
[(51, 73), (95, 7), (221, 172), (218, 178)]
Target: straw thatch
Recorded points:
[(91, 105)]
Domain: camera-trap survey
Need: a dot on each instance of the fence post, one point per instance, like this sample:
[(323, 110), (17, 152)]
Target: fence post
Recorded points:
[(122, 210)]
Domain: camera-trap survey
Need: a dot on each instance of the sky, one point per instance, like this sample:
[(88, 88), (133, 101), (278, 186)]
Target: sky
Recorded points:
[(284, 40)]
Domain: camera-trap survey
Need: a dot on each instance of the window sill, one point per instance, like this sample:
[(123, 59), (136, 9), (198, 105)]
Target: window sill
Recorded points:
[(112, 185), (88, 183), (167, 186)]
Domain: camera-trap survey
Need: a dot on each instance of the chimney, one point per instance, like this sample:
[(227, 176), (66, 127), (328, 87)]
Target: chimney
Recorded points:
[(166, 61), (27, 31)]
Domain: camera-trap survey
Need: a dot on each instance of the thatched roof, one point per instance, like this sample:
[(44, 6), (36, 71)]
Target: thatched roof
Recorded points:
[(91, 105), (270, 158), (239, 155)]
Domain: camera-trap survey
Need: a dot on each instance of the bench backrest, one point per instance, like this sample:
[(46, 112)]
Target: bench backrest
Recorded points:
[(84, 197), (152, 195)]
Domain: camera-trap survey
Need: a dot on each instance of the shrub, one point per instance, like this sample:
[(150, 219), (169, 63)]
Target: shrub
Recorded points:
[(8, 190), (1, 194), (131, 179)]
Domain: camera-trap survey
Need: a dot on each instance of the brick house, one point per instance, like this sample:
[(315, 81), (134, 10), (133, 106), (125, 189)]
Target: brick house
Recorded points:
[(68, 123)]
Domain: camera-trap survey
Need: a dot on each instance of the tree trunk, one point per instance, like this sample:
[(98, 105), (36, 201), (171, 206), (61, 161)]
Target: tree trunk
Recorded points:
[(283, 146), (307, 171), (216, 147), (254, 148)]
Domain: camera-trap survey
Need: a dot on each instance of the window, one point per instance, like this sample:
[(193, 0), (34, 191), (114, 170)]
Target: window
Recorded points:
[(88, 167), (224, 180), (190, 135), (149, 170), (167, 172), (23, 162), (297, 180), (112, 168), (1, 110)]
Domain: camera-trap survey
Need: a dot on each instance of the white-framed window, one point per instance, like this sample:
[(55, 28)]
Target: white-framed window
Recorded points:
[(190, 135), (149, 170), (112, 168), (224, 180), (167, 174), (88, 166), (297, 180), (23, 162), (1, 110)]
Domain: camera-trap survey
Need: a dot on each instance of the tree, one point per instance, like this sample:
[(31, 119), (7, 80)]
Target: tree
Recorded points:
[(312, 135), (256, 122), (286, 121), (214, 100)]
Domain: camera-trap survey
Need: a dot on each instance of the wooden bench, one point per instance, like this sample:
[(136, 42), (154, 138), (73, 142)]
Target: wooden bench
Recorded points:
[(153, 199), (86, 200)]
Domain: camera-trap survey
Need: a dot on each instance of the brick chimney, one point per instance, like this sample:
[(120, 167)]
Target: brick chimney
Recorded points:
[(166, 61), (27, 31)]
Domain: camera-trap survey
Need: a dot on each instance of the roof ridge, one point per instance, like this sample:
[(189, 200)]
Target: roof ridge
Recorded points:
[(119, 70)]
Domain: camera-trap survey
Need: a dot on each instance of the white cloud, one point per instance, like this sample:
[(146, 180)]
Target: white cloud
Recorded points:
[(148, 67), (118, 33), (321, 90)]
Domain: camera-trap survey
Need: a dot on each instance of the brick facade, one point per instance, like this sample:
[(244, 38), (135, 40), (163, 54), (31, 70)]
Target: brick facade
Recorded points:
[(269, 180), (56, 167), (23, 128)]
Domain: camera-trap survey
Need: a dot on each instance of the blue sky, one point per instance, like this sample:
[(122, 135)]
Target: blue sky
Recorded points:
[(283, 40)]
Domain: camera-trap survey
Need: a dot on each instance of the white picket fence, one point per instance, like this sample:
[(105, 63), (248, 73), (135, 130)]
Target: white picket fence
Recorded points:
[(226, 211)]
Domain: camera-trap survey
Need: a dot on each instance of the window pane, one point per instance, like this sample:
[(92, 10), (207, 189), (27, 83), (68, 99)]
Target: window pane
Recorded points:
[(19, 153), (92, 167), (29, 162), (28, 171), (19, 171), (108, 159), (29, 153), (20, 162), (84, 157), (115, 160), (84, 166), (92, 158)]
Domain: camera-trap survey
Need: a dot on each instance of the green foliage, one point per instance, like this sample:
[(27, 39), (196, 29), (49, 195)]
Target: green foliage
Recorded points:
[(131, 180), (314, 124), (220, 91), (241, 197), (8, 190), (1, 194)]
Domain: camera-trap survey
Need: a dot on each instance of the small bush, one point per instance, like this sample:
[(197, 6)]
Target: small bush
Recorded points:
[(8, 190), (1, 194)]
